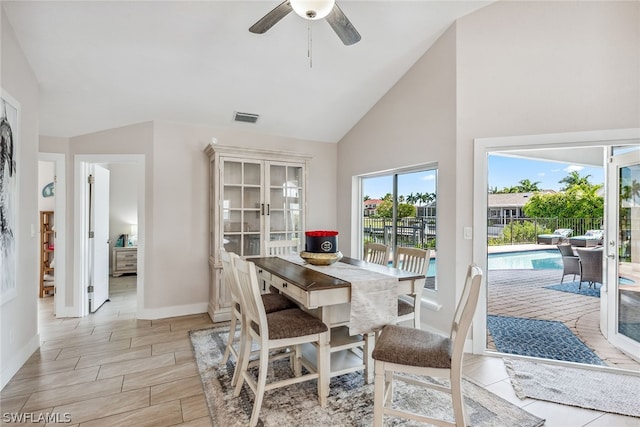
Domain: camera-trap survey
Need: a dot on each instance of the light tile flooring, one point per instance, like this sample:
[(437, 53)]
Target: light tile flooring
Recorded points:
[(110, 369)]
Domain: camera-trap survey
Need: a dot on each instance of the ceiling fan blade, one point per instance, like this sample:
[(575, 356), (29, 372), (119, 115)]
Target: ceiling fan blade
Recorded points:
[(272, 18), (342, 26)]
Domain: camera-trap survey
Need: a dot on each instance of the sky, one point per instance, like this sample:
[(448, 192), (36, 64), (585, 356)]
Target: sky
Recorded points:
[(509, 171), (503, 172)]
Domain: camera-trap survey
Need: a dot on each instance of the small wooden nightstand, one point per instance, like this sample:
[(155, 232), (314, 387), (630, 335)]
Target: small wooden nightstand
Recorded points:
[(125, 260)]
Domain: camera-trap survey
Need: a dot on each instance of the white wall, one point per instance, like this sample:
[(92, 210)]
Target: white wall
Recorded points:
[(19, 316), (176, 200), (414, 123), (178, 273), (46, 173), (512, 68)]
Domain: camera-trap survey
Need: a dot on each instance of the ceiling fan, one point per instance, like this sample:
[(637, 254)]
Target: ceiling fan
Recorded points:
[(312, 10)]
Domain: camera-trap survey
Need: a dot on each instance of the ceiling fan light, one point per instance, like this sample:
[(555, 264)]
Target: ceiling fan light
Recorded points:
[(312, 9)]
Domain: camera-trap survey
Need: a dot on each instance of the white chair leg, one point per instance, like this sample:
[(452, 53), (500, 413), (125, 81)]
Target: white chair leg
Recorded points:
[(378, 394), (243, 363), (458, 400), (260, 387), (230, 340), (297, 364), (416, 313), (244, 335), (388, 387)]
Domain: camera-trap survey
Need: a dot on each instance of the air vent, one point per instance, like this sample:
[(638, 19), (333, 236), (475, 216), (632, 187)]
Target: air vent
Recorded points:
[(246, 117)]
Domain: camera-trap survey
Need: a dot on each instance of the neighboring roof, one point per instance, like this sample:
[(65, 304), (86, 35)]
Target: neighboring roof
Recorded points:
[(512, 200), (372, 202)]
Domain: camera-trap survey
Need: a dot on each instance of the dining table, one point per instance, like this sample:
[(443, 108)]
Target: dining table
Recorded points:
[(330, 293)]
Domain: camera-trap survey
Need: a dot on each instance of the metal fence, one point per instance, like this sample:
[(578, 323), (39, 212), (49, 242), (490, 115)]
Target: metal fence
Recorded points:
[(421, 232), (509, 231), (412, 232)]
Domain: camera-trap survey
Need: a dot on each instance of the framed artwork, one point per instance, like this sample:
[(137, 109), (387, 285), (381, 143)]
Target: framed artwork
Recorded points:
[(9, 126)]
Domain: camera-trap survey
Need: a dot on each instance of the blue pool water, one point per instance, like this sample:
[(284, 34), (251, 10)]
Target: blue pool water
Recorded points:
[(528, 260), (536, 260)]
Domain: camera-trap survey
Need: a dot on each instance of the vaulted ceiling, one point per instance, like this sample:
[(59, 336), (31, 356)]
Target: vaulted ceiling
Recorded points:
[(105, 64)]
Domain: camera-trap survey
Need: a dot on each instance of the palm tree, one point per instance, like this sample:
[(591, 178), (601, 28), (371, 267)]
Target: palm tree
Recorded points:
[(526, 186), (574, 178), (630, 192)]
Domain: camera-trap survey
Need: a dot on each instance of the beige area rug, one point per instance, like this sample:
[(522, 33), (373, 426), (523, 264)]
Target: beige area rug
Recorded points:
[(350, 402), (592, 389)]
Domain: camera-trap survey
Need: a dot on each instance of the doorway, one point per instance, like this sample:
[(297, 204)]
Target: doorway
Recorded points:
[(558, 147), (126, 217), (52, 198)]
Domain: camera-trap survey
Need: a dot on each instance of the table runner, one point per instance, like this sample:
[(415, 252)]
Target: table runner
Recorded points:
[(374, 296)]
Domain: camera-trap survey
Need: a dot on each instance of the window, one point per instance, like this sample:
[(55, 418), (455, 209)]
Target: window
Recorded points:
[(404, 213)]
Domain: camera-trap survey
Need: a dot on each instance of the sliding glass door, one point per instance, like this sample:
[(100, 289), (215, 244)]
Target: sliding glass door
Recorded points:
[(399, 209)]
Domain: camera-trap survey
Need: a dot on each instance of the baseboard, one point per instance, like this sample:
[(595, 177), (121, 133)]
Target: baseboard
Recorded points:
[(10, 368), (173, 311)]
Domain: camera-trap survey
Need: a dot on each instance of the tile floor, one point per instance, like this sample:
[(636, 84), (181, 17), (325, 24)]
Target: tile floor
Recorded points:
[(110, 369)]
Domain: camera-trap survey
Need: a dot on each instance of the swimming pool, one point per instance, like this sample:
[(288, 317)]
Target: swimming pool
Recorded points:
[(547, 259), (536, 260)]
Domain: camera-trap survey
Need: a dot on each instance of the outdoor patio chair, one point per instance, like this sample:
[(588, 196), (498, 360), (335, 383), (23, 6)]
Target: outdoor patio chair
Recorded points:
[(590, 266), (570, 262), (590, 239), (416, 261), (273, 331), (401, 350), (559, 236), (377, 253)]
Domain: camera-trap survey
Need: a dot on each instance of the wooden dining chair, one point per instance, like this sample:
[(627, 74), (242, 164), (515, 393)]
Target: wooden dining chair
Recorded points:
[(272, 302), (402, 351), (416, 261), (285, 328), (282, 247), (377, 253)]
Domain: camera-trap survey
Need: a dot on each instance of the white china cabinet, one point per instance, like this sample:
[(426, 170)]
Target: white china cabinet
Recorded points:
[(254, 195)]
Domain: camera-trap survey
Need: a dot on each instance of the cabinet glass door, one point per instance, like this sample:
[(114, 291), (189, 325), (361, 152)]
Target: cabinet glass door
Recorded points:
[(241, 206), (286, 201)]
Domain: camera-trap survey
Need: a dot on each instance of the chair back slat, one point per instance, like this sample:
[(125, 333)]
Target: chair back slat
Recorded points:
[(412, 259), (465, 310), (228, 277), (251, 302), (377, 253), (282, 247)]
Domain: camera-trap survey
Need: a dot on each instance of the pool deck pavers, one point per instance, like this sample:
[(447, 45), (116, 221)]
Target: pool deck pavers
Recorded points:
[(521, 293)]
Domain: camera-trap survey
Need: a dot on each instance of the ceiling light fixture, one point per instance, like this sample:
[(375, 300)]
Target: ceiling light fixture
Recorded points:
[(312, 9)]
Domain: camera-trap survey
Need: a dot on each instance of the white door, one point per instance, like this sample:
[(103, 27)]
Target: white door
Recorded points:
[(621, 302), (98, 291)]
